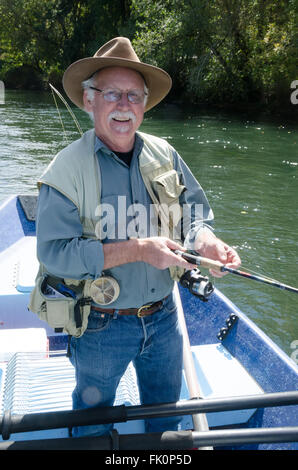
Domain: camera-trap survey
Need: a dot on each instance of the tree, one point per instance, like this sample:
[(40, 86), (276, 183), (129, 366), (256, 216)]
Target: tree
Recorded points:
[(48, 36), (220, 51), (230, 51)]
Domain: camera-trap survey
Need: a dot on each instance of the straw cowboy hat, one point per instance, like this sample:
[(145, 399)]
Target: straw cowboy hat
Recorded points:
[(117, 52)]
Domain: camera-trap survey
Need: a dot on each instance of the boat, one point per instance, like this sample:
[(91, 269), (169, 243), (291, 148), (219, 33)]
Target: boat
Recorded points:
[(239, 388)]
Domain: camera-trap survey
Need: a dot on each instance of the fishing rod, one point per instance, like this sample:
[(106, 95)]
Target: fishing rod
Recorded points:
[(216, 265)]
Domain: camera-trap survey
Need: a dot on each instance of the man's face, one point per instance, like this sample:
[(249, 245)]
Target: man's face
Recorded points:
[(116, 123)]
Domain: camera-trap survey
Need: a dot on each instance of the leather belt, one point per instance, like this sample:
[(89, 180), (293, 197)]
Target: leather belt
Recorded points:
[(143, 311)]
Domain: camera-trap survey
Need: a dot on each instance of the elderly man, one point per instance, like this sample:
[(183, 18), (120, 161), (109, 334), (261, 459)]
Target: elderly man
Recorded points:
[(115, 167)]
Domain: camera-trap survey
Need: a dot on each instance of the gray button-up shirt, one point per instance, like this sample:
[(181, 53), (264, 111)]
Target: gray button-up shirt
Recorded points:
[(63, 251)]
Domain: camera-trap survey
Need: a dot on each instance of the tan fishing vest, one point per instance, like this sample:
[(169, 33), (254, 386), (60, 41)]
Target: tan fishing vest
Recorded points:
[(75, 172)]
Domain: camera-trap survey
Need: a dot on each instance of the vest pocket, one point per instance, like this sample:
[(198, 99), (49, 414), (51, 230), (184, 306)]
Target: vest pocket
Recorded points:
[(167, 187), (58, 311)]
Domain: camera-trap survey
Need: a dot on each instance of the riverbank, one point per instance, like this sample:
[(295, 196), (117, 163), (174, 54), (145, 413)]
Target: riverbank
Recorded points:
[(287, 111)]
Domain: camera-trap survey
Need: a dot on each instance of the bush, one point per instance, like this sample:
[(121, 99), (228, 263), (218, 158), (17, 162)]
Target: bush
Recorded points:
[(22, 77)]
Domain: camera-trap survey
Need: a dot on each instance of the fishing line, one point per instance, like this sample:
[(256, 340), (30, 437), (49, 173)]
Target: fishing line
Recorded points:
[(68, 108), (63, 128)]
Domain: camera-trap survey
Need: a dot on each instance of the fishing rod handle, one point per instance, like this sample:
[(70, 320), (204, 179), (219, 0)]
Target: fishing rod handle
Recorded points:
[(200, 261)]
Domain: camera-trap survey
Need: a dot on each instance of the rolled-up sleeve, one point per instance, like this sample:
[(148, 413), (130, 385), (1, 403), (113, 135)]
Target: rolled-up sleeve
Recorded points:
[(60, 245)]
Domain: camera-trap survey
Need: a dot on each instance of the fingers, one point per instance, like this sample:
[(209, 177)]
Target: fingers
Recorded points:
[(158, 251), (179, 261), (173, 245), (218, 250), (176, 260), (233, 259)]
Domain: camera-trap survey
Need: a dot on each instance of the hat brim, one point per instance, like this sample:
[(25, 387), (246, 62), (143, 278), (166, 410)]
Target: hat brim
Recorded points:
[(157, 80)]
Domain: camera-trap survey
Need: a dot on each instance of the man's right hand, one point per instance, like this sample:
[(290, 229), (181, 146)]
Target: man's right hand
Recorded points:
[(157, 251)]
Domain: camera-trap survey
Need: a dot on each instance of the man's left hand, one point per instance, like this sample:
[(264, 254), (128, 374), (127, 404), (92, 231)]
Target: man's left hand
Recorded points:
[(209, 246)]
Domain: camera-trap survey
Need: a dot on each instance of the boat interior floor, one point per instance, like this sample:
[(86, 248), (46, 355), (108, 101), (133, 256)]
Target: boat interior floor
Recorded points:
[(38, 381)]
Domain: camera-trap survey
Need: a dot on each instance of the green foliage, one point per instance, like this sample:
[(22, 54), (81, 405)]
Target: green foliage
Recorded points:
[(49, 35), (225, 51), (221, 51)]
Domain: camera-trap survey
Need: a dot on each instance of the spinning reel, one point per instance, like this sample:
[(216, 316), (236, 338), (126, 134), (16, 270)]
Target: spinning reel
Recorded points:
[(197, 284)]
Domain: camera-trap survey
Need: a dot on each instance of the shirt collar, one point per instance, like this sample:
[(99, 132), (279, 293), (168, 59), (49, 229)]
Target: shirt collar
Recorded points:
[(99, 145)]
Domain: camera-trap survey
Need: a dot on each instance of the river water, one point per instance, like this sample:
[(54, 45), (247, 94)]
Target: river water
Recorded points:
[(248, 167)]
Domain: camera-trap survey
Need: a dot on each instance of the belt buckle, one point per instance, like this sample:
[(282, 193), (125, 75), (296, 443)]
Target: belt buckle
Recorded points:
[(139, 312)]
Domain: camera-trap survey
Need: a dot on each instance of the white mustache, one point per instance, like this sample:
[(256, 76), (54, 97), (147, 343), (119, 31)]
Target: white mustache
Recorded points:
[(121, 115)]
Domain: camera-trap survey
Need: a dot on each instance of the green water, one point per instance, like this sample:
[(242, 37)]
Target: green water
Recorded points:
[(247, 166)]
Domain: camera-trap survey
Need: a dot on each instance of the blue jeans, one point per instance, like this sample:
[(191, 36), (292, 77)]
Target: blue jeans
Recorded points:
[(102, 354)]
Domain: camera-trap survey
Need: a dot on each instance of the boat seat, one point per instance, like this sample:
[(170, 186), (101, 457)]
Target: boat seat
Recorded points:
[(221, 375)]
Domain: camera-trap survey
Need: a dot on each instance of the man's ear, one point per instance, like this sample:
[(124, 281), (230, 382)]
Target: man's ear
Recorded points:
[(87, 102)]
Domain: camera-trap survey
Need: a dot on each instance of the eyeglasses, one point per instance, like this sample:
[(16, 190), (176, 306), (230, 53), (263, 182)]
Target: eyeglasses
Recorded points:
[(112, 96)]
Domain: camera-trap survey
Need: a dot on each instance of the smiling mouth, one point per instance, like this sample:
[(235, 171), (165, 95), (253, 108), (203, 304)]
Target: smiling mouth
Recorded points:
[(121, 119)]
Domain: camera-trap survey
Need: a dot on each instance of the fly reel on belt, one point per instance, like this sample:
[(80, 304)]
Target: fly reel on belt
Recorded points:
[(104, 290)]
